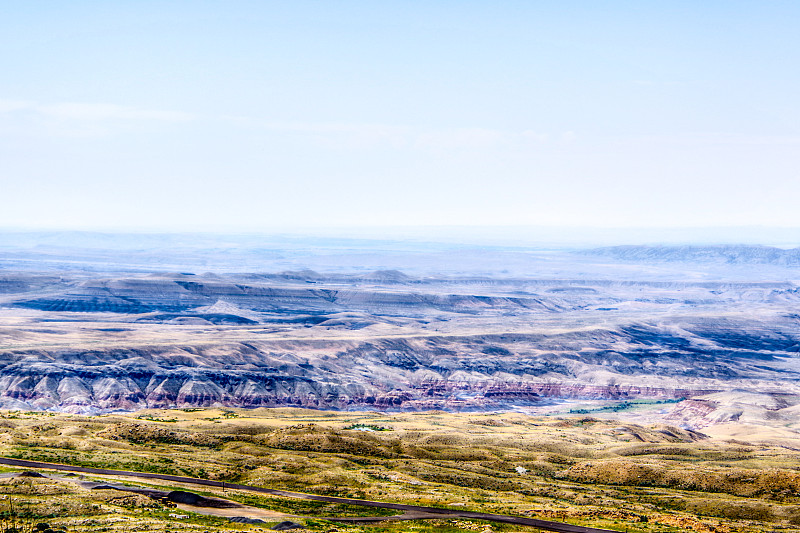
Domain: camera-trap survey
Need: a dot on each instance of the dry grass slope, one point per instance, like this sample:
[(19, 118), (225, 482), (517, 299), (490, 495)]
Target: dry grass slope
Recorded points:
[(581, 470)]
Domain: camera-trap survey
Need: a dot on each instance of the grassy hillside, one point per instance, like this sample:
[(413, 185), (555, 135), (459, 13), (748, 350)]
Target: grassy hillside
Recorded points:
[(582, 470)]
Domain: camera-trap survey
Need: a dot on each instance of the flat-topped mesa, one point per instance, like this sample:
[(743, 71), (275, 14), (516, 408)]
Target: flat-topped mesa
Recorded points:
[(731, 254)]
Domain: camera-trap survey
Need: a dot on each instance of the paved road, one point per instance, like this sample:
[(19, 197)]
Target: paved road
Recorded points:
[(546, 525)]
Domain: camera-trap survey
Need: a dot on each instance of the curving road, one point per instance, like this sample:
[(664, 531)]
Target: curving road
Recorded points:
[(546, 525)]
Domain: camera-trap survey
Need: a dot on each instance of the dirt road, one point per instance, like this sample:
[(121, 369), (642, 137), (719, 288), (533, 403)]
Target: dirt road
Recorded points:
[(545, 525)]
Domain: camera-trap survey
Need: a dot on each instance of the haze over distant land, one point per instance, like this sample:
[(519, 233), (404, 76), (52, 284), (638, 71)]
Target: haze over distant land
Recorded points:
[(474, 234), (425, 250)]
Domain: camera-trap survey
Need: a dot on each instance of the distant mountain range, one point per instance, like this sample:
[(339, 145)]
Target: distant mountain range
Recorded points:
[(733, 254)]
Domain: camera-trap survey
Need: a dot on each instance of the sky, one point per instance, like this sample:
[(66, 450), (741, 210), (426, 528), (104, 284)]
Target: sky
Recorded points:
[(260, 116)]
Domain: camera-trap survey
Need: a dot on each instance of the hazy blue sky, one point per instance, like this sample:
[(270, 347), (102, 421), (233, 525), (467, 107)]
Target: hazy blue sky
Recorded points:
[(272, 115)]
